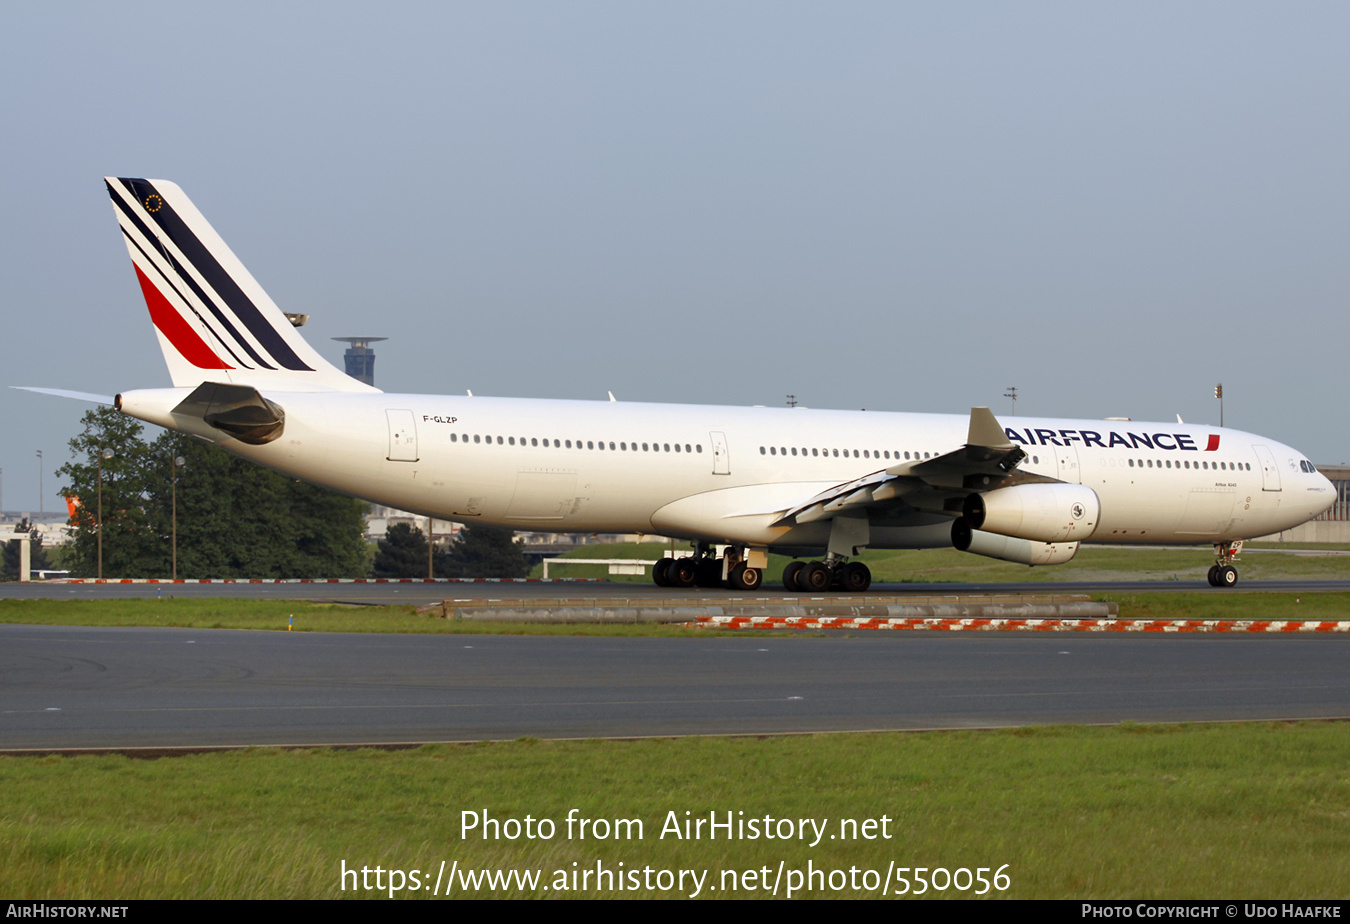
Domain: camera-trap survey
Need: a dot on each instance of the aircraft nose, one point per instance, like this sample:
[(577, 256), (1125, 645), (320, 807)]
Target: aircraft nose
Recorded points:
[(1330, 495)]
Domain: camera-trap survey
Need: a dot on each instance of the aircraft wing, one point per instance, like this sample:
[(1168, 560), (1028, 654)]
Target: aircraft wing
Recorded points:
[(988, 459)]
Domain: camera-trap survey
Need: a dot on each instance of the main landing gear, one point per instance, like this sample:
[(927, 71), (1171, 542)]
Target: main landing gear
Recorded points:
[(705, 568), (1223, 574), (834, 573)]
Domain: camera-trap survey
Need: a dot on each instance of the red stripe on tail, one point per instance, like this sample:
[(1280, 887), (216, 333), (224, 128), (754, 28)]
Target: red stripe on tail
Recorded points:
[(171, 324)]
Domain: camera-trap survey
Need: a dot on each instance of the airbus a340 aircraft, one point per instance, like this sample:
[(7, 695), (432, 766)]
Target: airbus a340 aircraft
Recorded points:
[(738, 482)]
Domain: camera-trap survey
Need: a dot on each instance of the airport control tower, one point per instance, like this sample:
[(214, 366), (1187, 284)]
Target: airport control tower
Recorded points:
[(360, 358)]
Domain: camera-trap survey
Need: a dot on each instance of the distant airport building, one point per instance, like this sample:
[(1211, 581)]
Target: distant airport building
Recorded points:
[(51, 526), (360, 358)]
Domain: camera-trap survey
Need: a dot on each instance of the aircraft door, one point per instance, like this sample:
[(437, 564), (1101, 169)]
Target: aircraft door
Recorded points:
[(1066, 464), (1270, 473), (721, 457), (402, 436)]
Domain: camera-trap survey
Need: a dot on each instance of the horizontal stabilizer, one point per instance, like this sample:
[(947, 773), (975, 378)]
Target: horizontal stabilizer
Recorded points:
[(67, 393)]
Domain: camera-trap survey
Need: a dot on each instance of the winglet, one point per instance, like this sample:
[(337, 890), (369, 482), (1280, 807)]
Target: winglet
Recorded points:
[(985, 430)]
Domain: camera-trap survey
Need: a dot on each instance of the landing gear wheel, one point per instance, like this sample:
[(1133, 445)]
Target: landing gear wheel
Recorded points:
[(743, 578), (659, 572), (814, 578), (682, 572), (856, 577), (790, 575), (1223, 574)]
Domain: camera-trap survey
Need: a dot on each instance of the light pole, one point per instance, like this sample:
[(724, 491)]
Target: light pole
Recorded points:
[(178, 463), (40, 501), (1218, 393), (103, 455)]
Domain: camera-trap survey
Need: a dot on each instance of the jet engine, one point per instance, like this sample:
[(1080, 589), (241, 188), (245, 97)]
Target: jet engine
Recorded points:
[(1050, 512), (1010, 548)]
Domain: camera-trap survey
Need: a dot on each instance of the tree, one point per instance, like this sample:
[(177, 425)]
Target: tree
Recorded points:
[(329, 531), (238, 519), (483, 551), (13, 555), (234, 518), (402, 554), (128, 538)]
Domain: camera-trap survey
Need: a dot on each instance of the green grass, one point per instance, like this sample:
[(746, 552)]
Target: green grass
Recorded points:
[(1221, 605), (276, 615), (950, 566), (1306, 546), (1232, 811)]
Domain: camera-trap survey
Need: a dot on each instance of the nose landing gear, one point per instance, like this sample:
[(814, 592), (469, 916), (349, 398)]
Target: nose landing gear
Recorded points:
[(1223, 574)]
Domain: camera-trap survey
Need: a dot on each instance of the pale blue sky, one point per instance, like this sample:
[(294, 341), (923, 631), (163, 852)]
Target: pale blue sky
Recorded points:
[(882, 205)]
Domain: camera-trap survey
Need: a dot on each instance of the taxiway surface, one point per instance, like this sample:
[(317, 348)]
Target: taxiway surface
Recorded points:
[(96, 687)]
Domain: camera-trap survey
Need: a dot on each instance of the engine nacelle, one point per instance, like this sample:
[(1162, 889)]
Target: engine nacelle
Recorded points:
[(1010, 548), (1042, 512)]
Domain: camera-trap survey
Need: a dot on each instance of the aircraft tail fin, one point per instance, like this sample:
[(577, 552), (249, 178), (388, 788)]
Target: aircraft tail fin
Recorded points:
[(213, 320)]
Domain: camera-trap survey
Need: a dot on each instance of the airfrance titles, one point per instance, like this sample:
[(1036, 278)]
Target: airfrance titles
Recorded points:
[(1036, 436)]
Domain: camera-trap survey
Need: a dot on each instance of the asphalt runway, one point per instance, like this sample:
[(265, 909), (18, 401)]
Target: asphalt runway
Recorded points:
[(64, 687), (420, 594)]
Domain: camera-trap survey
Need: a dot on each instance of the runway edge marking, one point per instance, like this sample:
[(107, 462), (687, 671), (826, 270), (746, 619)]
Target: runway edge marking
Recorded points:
[(1021, 625)]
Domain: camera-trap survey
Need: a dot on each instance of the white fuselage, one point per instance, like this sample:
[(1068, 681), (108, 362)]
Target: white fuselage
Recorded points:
[(725, 474), (796, 480)]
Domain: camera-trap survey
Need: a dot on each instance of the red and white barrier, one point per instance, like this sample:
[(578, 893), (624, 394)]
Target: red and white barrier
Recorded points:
[(1021, 625)]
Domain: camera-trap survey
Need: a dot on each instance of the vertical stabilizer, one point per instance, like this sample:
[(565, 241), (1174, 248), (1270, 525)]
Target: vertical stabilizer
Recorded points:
[(213, 320)]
